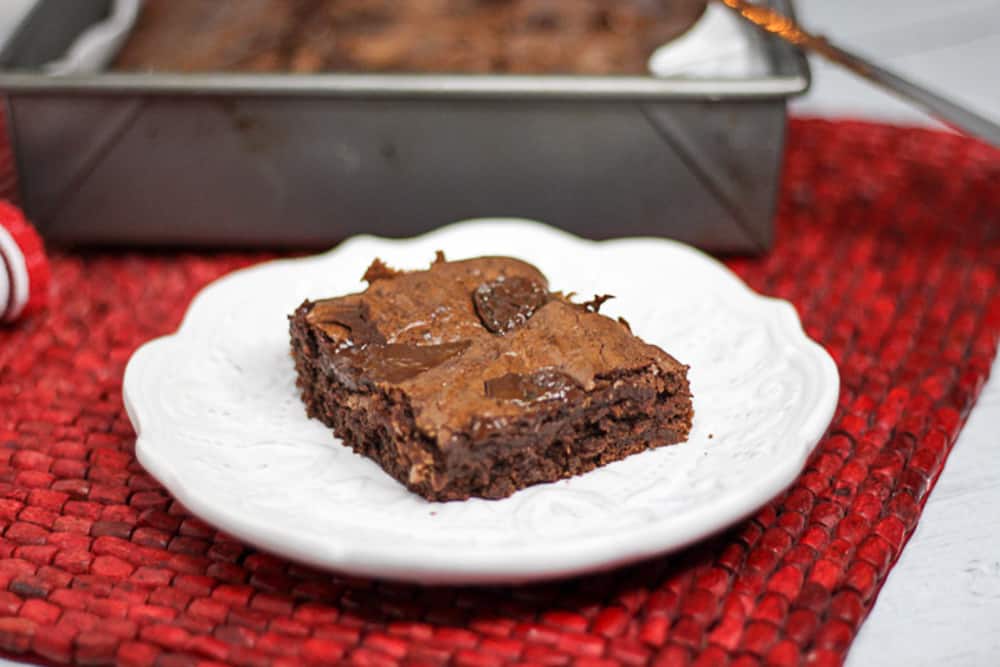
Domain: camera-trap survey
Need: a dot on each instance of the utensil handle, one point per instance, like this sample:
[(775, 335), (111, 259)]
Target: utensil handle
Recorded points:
[(950, 113), (787, 29)]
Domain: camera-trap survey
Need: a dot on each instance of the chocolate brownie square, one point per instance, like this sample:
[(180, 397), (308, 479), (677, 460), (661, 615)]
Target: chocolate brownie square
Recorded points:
[(453, 36), (472, 378)]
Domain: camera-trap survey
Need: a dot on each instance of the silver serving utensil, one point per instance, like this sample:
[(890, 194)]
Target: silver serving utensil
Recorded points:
[(952, 114)]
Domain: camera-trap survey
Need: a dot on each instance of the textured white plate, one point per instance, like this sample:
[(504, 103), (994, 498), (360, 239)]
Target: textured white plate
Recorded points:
[(221, 426)]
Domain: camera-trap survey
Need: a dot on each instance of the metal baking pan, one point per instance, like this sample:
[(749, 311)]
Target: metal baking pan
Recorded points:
[(307, 160)]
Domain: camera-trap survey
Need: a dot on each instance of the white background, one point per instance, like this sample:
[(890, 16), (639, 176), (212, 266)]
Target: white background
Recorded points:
[(941, 603)]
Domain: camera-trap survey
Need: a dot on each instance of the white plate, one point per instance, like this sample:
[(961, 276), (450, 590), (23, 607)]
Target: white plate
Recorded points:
[(221, 426)]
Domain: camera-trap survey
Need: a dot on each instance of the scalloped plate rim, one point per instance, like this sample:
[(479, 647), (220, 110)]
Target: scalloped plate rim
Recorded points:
[(484, 565)]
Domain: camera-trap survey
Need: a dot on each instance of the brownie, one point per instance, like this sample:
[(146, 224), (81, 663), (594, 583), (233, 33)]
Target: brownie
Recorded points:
[(472, 36), (472, 378)]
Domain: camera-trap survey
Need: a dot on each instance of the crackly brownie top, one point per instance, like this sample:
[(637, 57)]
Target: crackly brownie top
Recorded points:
[(479, 340), (516, 36)]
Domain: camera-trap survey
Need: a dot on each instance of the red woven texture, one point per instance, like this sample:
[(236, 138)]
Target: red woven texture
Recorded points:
[(889, 243)]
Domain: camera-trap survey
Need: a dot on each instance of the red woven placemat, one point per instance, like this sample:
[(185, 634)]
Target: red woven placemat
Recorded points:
[(889, 243)]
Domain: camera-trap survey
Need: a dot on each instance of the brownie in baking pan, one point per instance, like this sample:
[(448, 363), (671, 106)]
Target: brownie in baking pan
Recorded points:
[(473, 379), (445, 36)]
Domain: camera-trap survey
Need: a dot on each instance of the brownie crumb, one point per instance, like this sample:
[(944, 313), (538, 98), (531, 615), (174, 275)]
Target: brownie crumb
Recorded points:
[(438, 257), (379, 270), (594, 305)]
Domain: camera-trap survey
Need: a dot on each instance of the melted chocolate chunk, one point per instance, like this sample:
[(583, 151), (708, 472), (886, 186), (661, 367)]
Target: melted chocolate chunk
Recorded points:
[(366, 347), (348, 314), (542, 385), (399, 362), (507, 303)]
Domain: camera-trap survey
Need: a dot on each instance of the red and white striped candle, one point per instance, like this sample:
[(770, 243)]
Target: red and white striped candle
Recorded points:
[(24, 267)]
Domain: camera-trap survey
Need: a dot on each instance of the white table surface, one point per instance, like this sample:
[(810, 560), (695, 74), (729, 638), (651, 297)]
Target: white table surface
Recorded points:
[(941, 602)]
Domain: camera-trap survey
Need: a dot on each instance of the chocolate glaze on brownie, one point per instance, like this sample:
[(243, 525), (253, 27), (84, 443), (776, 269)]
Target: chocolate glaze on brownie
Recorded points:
[(471, 378), (472, 36)]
